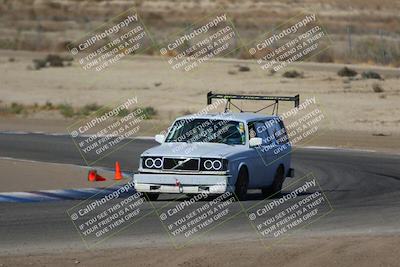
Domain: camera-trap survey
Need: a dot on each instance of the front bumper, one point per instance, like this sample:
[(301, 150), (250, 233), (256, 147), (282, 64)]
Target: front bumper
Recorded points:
[(181, 183)]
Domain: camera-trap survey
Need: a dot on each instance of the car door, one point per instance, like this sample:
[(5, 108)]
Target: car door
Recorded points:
[(259, 163), (277, 133), (266, 153)]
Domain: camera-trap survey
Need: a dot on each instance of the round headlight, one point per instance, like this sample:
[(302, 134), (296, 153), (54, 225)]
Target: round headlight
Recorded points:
[(149, 163), (158, 163), (208, 164), (217, 165)]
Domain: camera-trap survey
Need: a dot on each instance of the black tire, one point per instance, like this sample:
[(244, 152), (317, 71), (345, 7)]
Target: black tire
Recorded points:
[(241, 185), (152, 196), (276, 187)]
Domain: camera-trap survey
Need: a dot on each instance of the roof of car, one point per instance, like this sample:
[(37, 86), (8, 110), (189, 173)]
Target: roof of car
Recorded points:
[(242, 116)]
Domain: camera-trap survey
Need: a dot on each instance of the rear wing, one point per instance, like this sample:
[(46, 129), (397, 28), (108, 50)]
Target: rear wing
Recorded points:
[(275, 104)]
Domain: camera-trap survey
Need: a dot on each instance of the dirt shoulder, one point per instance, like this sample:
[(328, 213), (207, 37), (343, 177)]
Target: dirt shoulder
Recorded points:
[(370, 250)]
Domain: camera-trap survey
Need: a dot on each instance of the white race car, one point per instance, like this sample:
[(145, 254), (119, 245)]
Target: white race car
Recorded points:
[(216, 153)]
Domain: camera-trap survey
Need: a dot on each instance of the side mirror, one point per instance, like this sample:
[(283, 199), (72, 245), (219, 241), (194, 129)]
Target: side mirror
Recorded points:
[(255, 141), (160, 138)]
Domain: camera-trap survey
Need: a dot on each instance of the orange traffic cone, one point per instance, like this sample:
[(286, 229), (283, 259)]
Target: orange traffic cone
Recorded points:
[(118, 174), (94, 177)]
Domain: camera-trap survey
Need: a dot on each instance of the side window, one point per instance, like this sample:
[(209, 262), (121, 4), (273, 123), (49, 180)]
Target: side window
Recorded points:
[(277, 132), (252, 130), (282, 137), (270, 130), (258, 129)]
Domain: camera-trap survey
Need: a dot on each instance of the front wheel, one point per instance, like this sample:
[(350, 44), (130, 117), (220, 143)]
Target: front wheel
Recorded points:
[(241, 185), (276, 186)]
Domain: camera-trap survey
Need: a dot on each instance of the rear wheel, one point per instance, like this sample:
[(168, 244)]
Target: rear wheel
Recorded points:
[(276, 186), (241, 185), (152, 196)]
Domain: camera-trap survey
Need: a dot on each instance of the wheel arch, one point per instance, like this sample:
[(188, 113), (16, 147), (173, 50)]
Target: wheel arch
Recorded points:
[(242, 165), (281, 166)]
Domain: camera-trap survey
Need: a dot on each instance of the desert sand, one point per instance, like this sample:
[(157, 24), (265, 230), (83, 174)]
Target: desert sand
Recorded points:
[(367, 250)]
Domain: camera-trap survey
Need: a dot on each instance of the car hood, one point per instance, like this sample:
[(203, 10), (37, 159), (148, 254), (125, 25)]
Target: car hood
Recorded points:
[(181, 149)]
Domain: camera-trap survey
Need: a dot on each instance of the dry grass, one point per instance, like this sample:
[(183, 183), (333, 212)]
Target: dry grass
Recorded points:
[(41, 25), (377, 88), (67, 110)]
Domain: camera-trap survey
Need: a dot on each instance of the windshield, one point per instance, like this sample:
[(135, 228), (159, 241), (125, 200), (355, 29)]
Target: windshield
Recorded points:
[(208, 131)]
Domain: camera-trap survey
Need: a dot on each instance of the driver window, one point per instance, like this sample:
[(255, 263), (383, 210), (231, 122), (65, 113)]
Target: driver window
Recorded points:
[(258, 129)]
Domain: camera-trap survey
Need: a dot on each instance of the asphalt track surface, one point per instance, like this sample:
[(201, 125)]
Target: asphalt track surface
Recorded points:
[(362, 187)]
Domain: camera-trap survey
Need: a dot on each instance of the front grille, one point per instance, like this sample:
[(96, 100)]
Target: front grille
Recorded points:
[(173, 164)]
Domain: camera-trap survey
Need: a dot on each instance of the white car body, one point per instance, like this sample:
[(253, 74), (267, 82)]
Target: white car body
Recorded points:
[(181, 167)]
